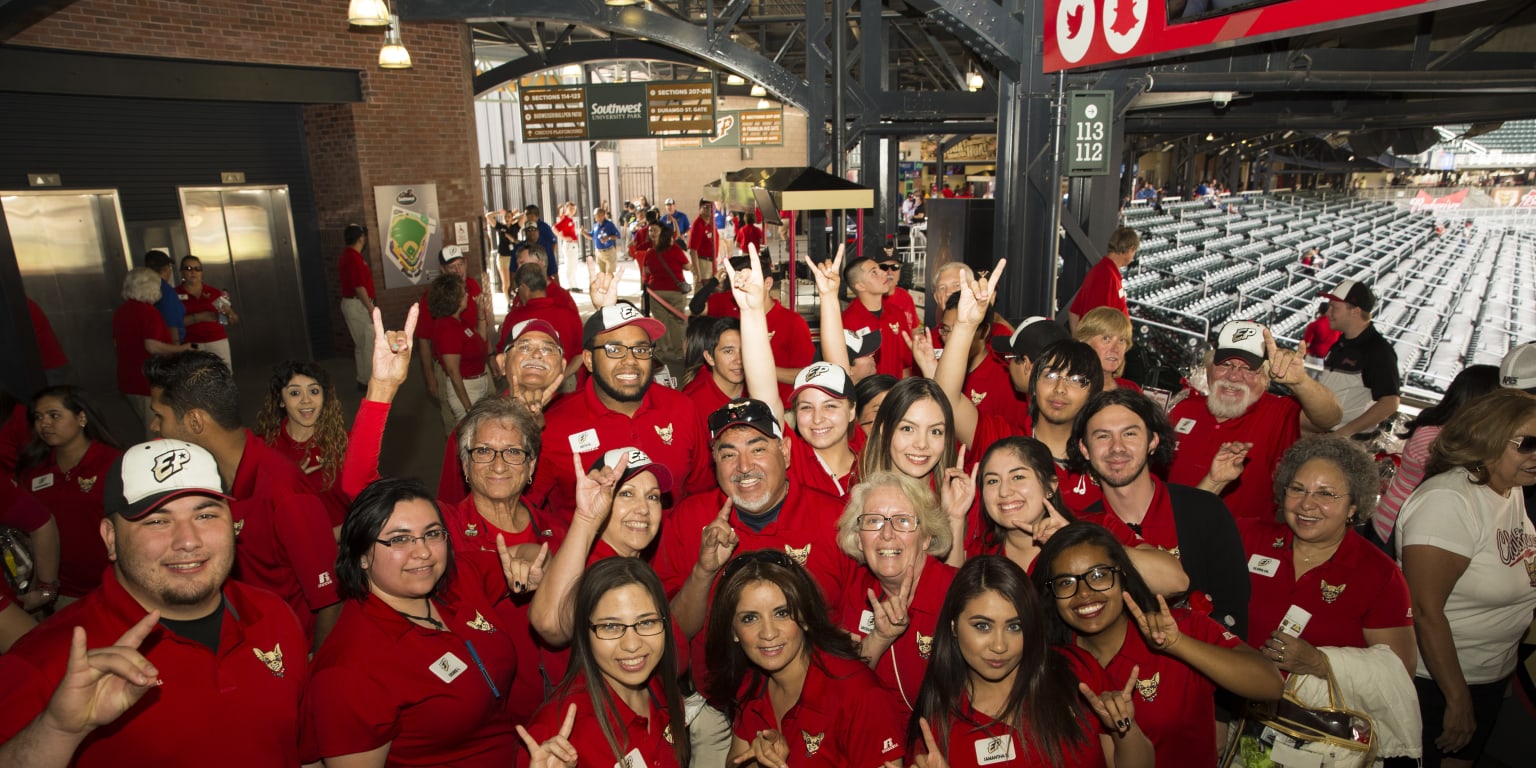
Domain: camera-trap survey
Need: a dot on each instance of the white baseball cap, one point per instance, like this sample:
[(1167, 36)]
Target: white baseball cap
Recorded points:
[(150, 474)]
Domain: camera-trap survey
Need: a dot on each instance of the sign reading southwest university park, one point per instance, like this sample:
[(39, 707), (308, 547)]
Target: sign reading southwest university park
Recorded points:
[(1088, 33), (618, 111)]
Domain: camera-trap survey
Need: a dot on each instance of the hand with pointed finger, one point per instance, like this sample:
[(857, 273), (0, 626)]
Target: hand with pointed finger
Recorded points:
[(1159, 628), (768, 750), (1048, 524), (523, 575), (958, 489), (558, 752), (934, 757), (392, 349), (747, 285), (891, 617), (828, 274), (1285, 365), (719, 542), (535, 399), (923, 354), (604, 288), (1114, 707), (594, 493), (102, 684)]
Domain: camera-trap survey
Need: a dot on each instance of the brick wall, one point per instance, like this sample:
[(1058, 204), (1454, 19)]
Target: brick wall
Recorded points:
[(415, 126)]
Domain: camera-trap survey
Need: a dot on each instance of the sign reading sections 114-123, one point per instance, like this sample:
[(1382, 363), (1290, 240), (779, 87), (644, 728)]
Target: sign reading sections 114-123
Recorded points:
[(1088, 132)]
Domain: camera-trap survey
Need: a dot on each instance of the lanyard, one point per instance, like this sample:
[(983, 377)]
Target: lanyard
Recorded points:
[(495, 693)]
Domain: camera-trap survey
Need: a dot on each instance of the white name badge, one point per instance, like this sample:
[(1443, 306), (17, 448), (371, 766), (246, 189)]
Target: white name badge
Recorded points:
[(42, 481), (867, 622), (1264, 566), (585, 441), (1185, 426), (448, 667), (632, 759), (994, 749)]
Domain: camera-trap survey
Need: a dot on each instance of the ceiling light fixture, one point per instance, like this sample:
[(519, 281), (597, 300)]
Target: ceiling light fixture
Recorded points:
[(973, 81), (1210, 137), (621, 3), (763, 104), (367, 13), (758, 90), (393, 55), (735, 80)]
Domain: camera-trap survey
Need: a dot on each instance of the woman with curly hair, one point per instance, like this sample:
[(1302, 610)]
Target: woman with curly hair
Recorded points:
[(301, 417)]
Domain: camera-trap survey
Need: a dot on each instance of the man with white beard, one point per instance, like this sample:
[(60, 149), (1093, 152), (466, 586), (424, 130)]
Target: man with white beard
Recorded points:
[(1230, 441)]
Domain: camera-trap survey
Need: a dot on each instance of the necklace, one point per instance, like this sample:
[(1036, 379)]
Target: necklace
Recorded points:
[(427, 618)]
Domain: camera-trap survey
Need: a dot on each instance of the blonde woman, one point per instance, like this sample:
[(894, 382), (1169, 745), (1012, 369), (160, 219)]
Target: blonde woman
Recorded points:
[(1108, 331)]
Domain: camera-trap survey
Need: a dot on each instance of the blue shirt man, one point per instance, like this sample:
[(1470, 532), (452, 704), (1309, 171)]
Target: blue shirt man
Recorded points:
[(170, 306), (547, 238), (673, 219)]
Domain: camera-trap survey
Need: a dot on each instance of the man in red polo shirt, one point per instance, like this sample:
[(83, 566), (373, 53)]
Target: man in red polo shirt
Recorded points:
[(534, 302), (357, 300), (531, 253), (287, 544), (703, 241), (869, 309), (789, 335), (618, 406), (199, 665), (1102, 286), (1243, 425)]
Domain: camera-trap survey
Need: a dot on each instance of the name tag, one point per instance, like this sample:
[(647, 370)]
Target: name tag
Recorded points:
[(1264, 566), (867, 622), (448, 667), (468, 333), (1185, 426), (42, 481), (632, 759), (584, 441), (994, 749)]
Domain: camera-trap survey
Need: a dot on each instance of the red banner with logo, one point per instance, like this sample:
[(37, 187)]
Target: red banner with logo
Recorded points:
[(1086, 33)]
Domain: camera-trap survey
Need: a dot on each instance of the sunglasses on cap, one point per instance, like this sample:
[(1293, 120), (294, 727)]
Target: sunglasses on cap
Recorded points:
[(768, 556)]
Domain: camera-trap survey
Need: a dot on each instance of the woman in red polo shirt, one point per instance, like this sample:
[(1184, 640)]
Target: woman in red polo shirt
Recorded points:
[(204, 305), (417, 669), (894, 528), (997, 692), (63, 467), (457, 345), (771, 649), (139, 331), (619, 703), (301, 417), (1175, 659)]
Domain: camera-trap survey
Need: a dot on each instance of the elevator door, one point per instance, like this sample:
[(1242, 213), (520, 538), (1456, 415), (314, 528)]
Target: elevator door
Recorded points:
[(244, 237), (72, 252)]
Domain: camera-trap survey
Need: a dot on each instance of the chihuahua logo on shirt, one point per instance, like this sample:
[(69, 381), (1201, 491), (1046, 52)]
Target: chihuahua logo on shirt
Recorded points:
[(798, 555), (273, 659), (239, 526), (479, 623), (1278, 543), (665, 433), (1148, 687), (86, 484), (896, 328), (666, 733), (812, 743), (1330, 592), (924, 645), (472, 530), (977, 397)]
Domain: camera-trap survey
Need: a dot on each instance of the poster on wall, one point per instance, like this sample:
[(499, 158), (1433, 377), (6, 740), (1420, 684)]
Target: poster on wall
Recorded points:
[(408, 237)]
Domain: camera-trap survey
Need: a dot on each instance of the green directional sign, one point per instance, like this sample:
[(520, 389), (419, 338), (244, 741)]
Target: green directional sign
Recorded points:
[(1088, 130)]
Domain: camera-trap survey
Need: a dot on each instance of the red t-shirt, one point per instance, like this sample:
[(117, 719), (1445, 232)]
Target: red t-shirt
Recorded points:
[(132, 323), (431, 695), (844, 718), (991, 390), (565, 319), (310, 460), (355, 274), (75, 499), (208, 330), (701, 238), (565, 227), (641, 241), (1359, 588), (1319, 337), (1273, 424), (238, 707), (47, 342), (1102, 287), (654, 268), (903, 665), (649, 736), (450, 336), (748, 234)]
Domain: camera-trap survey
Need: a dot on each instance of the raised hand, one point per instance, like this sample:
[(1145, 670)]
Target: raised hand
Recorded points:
[(1227, 465), (933, 758), (828, 274), (100, 685), (1048, 524), (522, 575), (958, 491), (392, 349), (923, 354), (891, 618), (1285, 366), (976, 296), (536, 398), (594, 493), (768, 751), (558, 752), (604, 288), (1113, 707), (719, 542), (1159, 628), (747, 286)]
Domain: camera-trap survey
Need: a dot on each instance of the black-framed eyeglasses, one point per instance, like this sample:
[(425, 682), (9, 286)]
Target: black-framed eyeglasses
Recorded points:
[(613, 630), (1524, 443), (484, 454), (901, 523), (1053, 376), (617, 351), (1098, 578), (406, 541), (770, 556)]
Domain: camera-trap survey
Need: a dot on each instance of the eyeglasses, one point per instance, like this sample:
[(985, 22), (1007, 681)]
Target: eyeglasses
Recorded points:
[(616, 351), (1524, 443), (191, 269), (1098, 579), (1230, 367), (901, 523), (405, 540), (1052, 376), (1325, 497), (612, 630), (535, 349), (484, 454)]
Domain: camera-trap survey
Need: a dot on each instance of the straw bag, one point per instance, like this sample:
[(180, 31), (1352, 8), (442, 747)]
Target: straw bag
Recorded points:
[(1288, 733)]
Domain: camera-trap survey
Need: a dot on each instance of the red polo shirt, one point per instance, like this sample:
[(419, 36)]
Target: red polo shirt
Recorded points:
[(1175, 704), (566, 320), (229, 707), (806, 469), (208, 330), (310, 460), (1157, 528), (381, 679), (991, 391), (648, 736), (701, 238), (844, 718), (132, 323), (354, 274), (894, 356), (555, 291), (425, 323), (1367, 588), (749, 234), (1102, 287), (903, 665), (1273, 424), (706, 395), (450, 336), (664, 427), (75, 499), (654, 268), (971, 744)]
